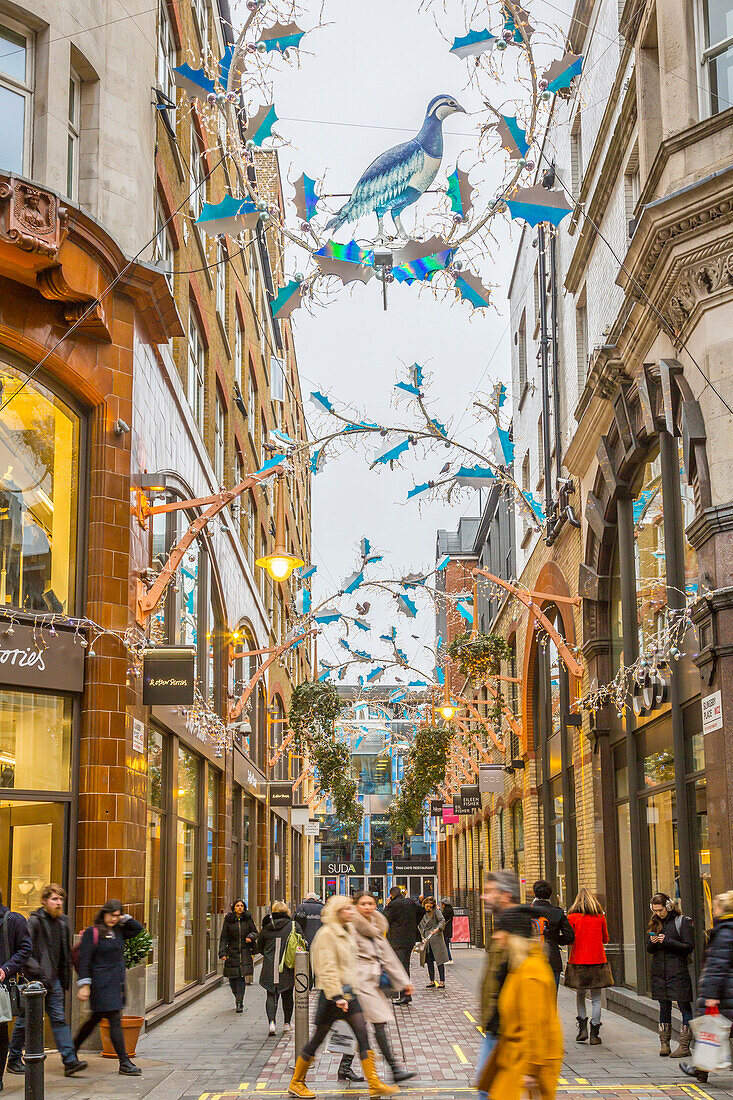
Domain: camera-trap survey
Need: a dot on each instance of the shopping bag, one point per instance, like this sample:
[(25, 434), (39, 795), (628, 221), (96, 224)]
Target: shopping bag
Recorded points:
[(6, 1012), (341, 1039), (712, 1041)]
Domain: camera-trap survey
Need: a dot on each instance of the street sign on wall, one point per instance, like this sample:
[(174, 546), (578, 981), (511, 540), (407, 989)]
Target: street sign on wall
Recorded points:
[(168, 676), (712, 712), (491, 778), (469, 800)]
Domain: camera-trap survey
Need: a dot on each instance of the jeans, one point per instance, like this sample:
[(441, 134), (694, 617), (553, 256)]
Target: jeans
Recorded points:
[(665, 1012), (238, 987), (487, 1046), (447, 946), (286, 996), (430, 961), (595, 1000), (115, 1033), (55, 1009)]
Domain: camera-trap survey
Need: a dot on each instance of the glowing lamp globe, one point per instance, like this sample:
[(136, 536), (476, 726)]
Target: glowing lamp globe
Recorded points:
[(280, 564), (447, 711)]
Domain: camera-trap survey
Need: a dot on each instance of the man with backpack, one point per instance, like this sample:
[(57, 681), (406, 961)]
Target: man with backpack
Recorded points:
[(551, 926), (49, 963)]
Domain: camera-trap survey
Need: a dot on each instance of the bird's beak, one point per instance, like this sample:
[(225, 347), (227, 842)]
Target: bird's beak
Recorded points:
[(460, 110)]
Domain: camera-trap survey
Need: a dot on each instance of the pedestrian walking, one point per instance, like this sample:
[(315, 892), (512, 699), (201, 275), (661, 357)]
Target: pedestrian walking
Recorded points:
[(501, 894), (448, 913), (588, 969), (375, 962), (50, 964), (308, 917), (15, 947), (528, 1054), (670, 942), (236, 943), (335, 963), (551, 926), (433, 950), (276, 978), (716, 981), (402, 933), (101, 970)]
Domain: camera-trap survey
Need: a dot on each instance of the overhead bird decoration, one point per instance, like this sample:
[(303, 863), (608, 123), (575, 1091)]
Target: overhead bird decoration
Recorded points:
[(306, 199), (281, 37), (537, 204), (459, 192), (473, 44), (471, 289), (363, 608), (424, 269), (401, 175), (288, 298), (562, 72)]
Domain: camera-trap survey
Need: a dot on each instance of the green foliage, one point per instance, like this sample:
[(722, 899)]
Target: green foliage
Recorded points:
[(137, 949), (423, 775), (480, 656), (314, 707)]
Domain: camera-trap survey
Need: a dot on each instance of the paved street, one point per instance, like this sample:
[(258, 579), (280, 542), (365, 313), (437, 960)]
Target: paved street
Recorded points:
[(207, 1052)]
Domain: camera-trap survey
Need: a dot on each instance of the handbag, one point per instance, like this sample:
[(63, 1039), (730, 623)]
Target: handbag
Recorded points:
[(295, 943), (10, 985), (712, 1041)]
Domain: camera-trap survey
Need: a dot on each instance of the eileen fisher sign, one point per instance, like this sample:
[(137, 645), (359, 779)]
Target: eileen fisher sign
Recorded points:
[(168, 676)]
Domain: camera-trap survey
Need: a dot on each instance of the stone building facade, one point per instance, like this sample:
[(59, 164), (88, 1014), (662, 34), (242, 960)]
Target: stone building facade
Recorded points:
[(137, 355)]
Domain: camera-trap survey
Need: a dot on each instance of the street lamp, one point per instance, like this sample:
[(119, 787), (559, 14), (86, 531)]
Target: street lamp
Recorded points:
[(447, 709), (280, 564)]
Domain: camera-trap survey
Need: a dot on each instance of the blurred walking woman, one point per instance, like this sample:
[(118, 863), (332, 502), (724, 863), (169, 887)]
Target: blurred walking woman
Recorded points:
[(236, 943), (101, 968), (588, 968), (271, 944), (433, 949), (334, 957)]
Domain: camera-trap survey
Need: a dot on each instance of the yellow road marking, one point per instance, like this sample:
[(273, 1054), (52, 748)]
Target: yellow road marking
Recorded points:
[(480, 1030), (561, 1081), (460, 1055), (261, 1085), (243, 1086), (581, 1081), (573, 1090), (204, 1096), (469, 1016)]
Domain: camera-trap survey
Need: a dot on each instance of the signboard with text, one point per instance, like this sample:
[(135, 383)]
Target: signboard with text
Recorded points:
[(169, 676), (436, 807), (34, 658), (712, 712), (352, 867), (470, 799), (281, 795), (414, 867), (491, 778)]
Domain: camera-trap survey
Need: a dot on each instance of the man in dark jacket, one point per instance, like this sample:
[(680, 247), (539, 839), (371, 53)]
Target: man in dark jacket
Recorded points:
[(448, 913), (308, 919), (403, 917), (551, 925), (50, 963), (15, 948)]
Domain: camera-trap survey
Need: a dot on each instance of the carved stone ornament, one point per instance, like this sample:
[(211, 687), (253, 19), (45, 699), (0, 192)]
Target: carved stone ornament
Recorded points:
[(698, 281), (31, 218)]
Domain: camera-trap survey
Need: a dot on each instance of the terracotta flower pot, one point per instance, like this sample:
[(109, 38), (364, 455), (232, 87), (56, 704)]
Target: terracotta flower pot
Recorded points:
[(131, 1027)]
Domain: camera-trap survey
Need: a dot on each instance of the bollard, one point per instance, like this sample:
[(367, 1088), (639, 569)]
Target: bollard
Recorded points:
[(34, 995), (302, 1000)]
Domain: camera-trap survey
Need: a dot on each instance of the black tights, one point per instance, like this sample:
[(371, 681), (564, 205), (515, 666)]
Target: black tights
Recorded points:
[(115, 1033), (665, 1012), (382, 1036), (238, 987), (286, 996), (3, 1048), (328, 1013)]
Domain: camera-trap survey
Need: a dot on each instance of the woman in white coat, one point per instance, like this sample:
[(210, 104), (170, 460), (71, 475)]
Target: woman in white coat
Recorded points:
[(374, 958)]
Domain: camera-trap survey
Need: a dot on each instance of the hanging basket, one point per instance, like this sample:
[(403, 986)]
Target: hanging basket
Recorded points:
[(479, 656)]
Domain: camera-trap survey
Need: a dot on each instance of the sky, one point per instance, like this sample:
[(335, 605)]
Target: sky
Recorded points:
[(363, 84)]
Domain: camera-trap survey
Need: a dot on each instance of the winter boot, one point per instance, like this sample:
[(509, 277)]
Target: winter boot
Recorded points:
[(240, 1005), (376, 1087), (665, 1034), (595, 1037), (399, 1072), (582, 1029), (691, 1071), (346, 1073), (297, 1086), (683, 1050)]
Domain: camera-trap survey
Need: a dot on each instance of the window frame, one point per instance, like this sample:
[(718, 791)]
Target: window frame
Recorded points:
[(220, 429), (222, 258), (24, 88), (197, 197), (710, 52), (166, 53), (164, 251), (73, 135), (196, 379), (199, 9)]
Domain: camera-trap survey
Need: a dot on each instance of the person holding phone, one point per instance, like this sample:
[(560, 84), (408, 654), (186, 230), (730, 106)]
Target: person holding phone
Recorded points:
[(670, 942)]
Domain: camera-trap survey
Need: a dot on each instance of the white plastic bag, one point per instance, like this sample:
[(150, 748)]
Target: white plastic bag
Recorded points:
[(341, 1039), (712, 1042)]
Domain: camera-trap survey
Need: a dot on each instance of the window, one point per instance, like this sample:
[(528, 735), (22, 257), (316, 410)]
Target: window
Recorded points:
[(212, 824), (154, 865), (30, 759), (718, 52), (15, 96), (251, 528), (187, 832), (581, 340), (252, 410), (39, 487), (201, 17), (525, 472), (277, 379), (632, 188), (221, 279), (238, 352), (540, 450), (167, 59), (198, 174), (220, 428), (196, 371), (163, 251), (536, 295), (576, 155), (72, 141), (522, 353)]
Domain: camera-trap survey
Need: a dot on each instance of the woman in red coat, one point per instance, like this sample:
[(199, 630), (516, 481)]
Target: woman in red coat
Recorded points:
[(588, 967)]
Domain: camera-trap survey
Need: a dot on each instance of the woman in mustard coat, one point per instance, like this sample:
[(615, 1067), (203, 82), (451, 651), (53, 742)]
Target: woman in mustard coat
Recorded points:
[(529, 1052)]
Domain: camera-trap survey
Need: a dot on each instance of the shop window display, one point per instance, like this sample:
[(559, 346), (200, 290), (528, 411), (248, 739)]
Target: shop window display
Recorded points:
[(35, 741), (186, 867), (31, 851)]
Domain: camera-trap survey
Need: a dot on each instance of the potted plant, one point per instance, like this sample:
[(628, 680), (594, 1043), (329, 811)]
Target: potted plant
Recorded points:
[(137, 949)]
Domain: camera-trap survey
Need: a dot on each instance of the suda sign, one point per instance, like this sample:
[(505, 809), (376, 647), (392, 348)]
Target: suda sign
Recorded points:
[(168, 676)]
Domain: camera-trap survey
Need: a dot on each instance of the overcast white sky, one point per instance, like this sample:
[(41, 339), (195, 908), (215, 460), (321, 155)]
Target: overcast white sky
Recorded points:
[(362, 86)]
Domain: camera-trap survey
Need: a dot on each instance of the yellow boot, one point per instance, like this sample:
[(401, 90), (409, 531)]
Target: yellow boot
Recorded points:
[(376, 1087), (298, 1086)]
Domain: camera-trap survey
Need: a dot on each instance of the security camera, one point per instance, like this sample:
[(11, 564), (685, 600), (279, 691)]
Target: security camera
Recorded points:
[(120, 427)]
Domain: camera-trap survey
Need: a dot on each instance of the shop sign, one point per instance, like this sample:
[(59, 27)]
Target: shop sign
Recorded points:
[(414, 867), (138, 735), (281, 795), (355, 867), (311, 828), (34, 658), (470, 799), (450, 817), (168, 676), (436, 807), (300, 815), (712, 712), (490, 778), (649, 693)]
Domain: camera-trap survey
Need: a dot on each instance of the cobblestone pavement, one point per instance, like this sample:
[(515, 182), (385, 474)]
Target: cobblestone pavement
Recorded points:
[(207, 1052)]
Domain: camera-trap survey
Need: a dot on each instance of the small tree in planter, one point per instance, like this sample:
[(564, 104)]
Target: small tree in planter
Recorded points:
[(137, 949)]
